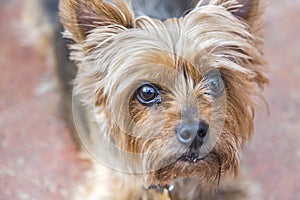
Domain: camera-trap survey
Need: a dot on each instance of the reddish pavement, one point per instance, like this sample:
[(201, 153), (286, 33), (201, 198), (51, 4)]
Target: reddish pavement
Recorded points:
[(38, 158), (273, 157)]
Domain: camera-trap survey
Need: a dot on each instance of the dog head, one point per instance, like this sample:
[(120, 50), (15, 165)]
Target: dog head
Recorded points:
[(177, 93)]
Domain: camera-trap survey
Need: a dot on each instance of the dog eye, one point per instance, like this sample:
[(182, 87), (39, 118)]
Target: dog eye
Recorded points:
[(148, 95), (215, 84)]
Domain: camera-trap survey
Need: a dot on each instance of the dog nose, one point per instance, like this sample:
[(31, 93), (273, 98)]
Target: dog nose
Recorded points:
[(192, 134)]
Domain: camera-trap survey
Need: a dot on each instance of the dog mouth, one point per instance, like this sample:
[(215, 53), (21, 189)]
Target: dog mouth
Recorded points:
[(190, 164), (191, 157)]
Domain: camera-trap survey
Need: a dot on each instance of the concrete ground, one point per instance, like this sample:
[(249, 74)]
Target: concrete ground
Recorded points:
[(38, 158)]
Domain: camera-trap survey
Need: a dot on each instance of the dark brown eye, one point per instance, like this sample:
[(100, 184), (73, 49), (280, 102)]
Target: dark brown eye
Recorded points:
[(148, 95), (215, 84)]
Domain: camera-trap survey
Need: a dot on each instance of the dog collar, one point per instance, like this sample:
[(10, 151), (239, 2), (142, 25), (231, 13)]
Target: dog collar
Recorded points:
[(163, 192), (165, 195)]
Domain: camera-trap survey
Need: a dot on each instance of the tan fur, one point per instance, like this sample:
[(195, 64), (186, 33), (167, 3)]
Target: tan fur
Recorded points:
[(116, 52)]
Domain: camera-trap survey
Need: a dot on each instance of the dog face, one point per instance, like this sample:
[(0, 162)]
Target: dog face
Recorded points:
[(177, 93)]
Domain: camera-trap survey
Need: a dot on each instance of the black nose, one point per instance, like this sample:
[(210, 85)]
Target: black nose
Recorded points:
[(192, 134)]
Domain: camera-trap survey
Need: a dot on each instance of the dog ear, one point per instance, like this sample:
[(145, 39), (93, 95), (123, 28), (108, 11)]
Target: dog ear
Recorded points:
[(80, 17), (247, 10)]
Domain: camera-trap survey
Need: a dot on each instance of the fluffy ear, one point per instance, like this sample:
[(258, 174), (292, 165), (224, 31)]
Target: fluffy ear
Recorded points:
[(79, 17), (247, 10)]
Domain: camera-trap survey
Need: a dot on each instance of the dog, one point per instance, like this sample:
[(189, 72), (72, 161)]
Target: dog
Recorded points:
[(163, 96)]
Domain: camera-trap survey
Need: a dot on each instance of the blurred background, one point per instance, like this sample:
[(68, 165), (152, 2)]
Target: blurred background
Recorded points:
[(38, 158)]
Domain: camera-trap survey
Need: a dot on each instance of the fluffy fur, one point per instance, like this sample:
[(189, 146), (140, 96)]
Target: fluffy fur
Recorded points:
[(117, 51)]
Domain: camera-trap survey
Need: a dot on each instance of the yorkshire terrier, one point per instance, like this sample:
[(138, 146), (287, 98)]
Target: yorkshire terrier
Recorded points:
[(168, 88)]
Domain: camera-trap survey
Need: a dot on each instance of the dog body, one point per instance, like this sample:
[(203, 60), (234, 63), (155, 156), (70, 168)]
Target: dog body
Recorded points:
[(167, 90)]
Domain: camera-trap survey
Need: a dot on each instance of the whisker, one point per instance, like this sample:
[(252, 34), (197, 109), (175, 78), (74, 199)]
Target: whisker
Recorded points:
[(219, 176)]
